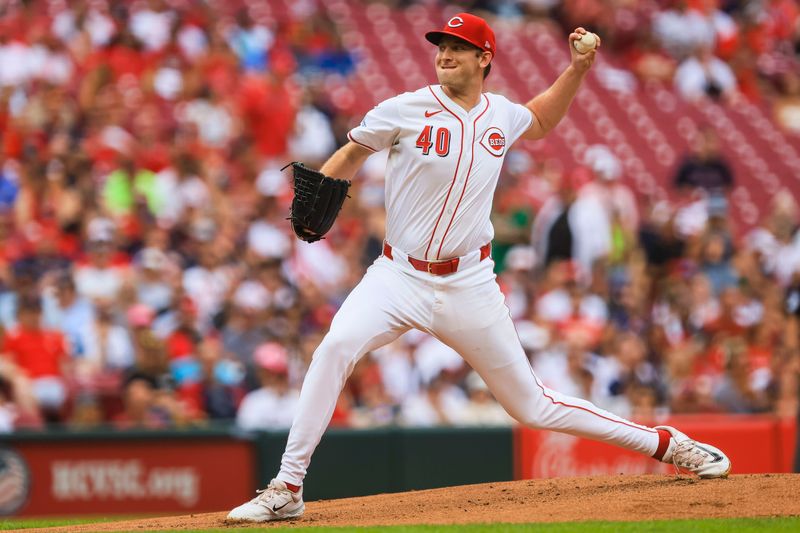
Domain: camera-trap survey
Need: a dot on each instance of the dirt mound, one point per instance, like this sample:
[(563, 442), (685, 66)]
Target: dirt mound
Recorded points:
[(538, 500)]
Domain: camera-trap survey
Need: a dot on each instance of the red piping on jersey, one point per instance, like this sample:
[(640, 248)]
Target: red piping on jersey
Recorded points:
[(466, 180), (455, 174), (554, 402), (360, 144)]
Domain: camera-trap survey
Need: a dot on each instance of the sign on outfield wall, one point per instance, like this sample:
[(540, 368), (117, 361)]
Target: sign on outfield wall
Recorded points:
[(115, 476), (545, 454), (755, 444)]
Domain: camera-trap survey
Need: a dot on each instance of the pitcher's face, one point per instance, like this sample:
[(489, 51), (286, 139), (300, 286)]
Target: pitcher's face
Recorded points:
[(458, 62)]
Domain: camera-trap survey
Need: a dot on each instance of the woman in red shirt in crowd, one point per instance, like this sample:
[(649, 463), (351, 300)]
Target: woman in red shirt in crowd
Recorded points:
[(40, 354)]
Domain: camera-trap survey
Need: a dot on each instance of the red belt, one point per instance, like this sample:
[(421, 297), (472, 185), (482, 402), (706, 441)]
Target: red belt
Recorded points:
[(437, 268)]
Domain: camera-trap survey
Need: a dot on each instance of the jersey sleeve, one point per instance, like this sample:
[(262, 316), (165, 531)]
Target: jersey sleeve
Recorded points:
[(380, 127), (520, 119)]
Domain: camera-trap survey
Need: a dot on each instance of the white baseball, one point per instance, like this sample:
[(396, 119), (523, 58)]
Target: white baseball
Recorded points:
[(588, 41)]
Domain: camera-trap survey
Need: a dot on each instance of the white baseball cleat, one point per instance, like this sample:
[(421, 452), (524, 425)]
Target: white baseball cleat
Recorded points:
[(702, 459), (276, 502)]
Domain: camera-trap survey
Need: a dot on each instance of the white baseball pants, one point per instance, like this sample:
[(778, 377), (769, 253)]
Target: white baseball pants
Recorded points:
[(466, 311)]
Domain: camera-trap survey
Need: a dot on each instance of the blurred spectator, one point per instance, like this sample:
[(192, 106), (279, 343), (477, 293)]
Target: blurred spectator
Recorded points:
[(716, 263), (374, 407), (250, 41), (154, 280), (243, 330), (127, 185), (433, 358), (742, 390), (150, 353), (152, 25), (704, 303), (616, 197), (142, 202), (107, 346), (191, 36), (67, 311), (440, 403), (210, 116), (18, 406), (9, 188), (628, 383), (692, 377), (396, 366), (704, 167), (41, 354), (98, 344), (267, 237), (21, 284), (273, 405), (186, 189), (313, 138), (682, 30), (703, 74), (725, 36), (145, 406), (567, 367), (221, 384), (566, 304), (102, 276), (628, 301), (267, 108), (183, 348), (571, 226), (516, 280), (482, 410), (207, 283), (658, 236)]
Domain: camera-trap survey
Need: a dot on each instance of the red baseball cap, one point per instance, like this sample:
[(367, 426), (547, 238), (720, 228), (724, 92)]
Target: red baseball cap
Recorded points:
[(468, 27)]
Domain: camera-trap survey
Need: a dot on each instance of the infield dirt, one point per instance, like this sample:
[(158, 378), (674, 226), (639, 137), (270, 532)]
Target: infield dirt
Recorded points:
[(626, 498)]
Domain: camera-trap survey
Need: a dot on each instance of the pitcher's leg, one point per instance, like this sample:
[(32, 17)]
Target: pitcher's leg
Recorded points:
[(368, 319), (487, 340), (496, 354)]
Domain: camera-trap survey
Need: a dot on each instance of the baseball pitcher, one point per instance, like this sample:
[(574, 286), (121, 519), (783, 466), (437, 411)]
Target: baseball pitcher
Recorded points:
[(446, 144)]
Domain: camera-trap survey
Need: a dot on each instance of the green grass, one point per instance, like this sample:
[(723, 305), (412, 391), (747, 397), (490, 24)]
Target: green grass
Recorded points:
[(30, 523), (735, 525)]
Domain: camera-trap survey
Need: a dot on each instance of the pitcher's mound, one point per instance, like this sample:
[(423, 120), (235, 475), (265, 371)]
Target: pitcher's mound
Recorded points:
[(631, 498)]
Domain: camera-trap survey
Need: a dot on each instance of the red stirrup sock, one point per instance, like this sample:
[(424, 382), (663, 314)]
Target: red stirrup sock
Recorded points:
[(663, 443)]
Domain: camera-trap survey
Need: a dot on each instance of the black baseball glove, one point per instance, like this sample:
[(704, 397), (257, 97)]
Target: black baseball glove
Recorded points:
[(317, 201)]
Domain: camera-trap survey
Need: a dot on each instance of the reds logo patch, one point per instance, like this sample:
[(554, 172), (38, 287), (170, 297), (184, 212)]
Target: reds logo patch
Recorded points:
[(494, 141), (455, 22)]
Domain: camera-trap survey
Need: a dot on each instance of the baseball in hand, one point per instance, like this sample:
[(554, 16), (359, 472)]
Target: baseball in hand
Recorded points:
[(588, 41)]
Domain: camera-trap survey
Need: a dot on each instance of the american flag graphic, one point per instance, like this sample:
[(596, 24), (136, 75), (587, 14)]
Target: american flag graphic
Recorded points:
[(14, 481)]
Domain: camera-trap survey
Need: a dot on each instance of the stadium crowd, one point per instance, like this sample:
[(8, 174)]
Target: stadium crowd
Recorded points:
[(149, 278)]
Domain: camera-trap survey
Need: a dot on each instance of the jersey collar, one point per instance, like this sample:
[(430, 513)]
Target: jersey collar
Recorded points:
[(454, 107)]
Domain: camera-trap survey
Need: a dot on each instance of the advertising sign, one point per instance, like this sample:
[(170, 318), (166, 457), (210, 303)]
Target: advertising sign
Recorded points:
[(63, 478), (755, 444)]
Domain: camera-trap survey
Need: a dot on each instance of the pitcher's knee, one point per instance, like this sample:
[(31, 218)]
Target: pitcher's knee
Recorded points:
[(337, 350), (531, 420)]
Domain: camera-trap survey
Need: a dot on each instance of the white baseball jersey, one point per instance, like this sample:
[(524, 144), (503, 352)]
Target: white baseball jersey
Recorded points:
[(443, 167), (441, 175)]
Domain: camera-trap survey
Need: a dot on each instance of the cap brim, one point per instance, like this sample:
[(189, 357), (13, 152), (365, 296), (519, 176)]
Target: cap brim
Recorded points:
[(436, 36)]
